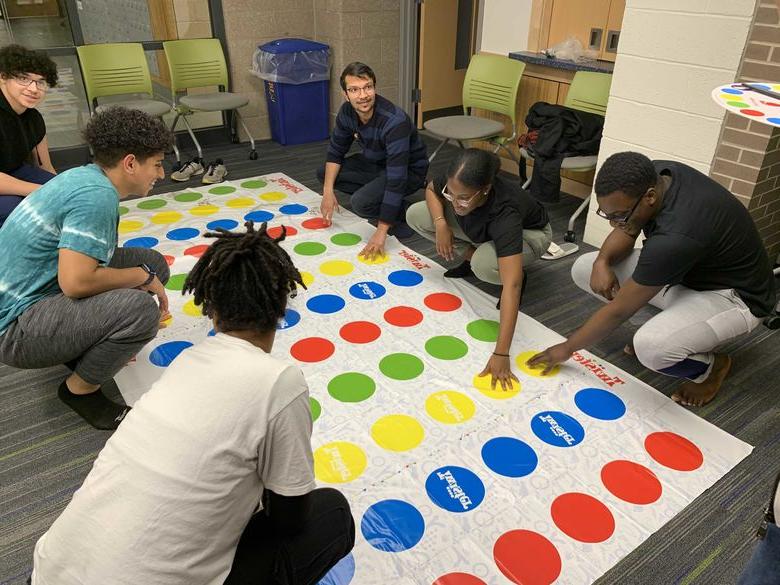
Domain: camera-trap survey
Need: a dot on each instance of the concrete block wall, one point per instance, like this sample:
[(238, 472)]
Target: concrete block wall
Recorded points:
[(671, 55)]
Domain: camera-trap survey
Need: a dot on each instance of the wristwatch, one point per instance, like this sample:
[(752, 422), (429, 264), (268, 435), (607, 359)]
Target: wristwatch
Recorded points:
[(150, 272)]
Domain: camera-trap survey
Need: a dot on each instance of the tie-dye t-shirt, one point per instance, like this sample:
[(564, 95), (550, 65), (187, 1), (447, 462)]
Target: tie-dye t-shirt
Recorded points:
[(77, 210)]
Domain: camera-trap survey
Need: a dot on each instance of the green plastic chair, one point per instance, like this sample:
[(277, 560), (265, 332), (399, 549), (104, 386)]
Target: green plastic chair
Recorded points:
[(589, 92), (491, 84), (201, 63), (115, 69)]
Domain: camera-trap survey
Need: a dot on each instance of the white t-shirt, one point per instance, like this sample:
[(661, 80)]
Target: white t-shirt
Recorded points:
[(173, 489)]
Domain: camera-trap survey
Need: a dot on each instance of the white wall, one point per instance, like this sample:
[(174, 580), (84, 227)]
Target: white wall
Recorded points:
[(504, 25), (669, 61)]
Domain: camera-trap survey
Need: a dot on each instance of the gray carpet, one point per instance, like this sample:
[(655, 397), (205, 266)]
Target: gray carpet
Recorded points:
[(46, 450)]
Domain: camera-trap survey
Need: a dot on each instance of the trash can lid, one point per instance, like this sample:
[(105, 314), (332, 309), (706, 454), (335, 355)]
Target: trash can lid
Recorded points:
[(292, 46)]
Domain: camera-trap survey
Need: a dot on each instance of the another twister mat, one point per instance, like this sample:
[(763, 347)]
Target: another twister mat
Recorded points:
[(450, 482)]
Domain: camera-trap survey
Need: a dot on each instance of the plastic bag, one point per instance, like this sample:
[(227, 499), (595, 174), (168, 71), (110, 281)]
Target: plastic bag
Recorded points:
[(294, 68), (571, 50)]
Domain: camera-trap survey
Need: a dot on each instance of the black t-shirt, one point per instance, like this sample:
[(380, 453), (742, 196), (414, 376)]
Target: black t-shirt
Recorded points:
[(705, 239), (19, 135), (509, 210)]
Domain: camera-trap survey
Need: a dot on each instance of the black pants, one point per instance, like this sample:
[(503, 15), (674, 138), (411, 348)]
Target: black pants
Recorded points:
[(366, 182), (262, 558)]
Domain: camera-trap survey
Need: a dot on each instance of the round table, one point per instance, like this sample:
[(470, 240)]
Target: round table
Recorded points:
[(750, 104)]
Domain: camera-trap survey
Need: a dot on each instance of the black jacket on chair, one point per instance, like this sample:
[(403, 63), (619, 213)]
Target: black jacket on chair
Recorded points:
[(562, 132)]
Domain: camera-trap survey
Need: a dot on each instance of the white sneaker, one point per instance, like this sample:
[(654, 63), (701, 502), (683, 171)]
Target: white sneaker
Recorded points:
[(186, 172), (216, 173)]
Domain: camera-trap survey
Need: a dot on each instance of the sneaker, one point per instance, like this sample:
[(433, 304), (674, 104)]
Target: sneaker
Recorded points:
[(216, 173), (189, 169)]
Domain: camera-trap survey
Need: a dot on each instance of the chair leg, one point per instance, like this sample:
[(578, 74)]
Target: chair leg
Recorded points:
[(460, 143), (175, 146), (556, 252), (252, 152), (192, 135), (438, 148)]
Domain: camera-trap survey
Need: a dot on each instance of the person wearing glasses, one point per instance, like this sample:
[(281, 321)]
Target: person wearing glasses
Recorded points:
[(702, 263), (25, 77), (392, 165), (495, 227)]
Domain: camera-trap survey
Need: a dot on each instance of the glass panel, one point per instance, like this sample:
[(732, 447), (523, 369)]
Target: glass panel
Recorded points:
[(37, 24), (64, 108)]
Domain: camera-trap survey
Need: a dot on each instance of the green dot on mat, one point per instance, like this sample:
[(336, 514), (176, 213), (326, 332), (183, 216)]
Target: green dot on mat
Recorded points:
[(738, 104), (351, 387), (446, 347), (152, 204), (309, 248), (223, 190), (254, 184), (176, 282), (187, 197), (316, 409), (401, 366), (345, 239), (123, 210), (483, 330)]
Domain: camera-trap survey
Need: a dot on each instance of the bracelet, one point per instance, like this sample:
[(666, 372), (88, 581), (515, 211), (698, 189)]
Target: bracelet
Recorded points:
[(435, 219), (501, 354)]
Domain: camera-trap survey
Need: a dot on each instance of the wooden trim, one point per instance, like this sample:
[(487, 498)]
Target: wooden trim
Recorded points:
[(539, 31), (162, 17)]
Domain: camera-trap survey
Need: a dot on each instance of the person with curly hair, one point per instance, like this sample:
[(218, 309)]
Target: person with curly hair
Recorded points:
[(25, 164), (210, 478), (702, 263), (68, 294)]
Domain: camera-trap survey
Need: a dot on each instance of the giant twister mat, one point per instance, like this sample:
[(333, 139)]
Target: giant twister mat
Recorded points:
[(450, 482)]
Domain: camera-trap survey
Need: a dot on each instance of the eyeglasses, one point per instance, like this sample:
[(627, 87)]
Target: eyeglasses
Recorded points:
[(462, 203), (25, 81), (369, 89), (619, 218)]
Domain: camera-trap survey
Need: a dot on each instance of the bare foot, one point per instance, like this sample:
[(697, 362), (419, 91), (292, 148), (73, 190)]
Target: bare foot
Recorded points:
[(692, 394)]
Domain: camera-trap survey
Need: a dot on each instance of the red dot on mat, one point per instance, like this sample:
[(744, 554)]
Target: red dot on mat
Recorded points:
[(196, 251), (631, 482), (582, 517), (749, 112), (403, 316), (458, 579), (276, 231), (527, 557), (315, 223), (169, 259), (312, 349), (442, 302), (673, 451), (360, 332)]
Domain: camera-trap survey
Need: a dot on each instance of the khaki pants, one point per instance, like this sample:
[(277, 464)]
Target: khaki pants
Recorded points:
[(484, 262)]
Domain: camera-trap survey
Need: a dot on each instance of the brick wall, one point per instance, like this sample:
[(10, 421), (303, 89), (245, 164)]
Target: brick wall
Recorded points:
[(747, 160)]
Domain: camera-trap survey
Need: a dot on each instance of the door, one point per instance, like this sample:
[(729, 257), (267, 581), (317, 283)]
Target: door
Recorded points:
[(585, 21)]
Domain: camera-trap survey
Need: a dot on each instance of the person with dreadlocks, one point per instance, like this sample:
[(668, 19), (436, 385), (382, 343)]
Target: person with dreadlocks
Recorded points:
[(210, 477)]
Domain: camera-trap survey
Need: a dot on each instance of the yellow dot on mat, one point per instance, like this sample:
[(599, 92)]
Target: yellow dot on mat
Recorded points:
[(191, 309), (166, 217), (129, 225), (482, 383), (397, 432), (336, 268), (376, 260), (339, 462), (273, 196), (204, 209), (167, 322), (307, 278), (449, 407), (521, 360), (241, 202)]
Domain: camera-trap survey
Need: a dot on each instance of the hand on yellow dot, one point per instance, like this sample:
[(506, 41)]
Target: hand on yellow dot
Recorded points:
[(544, 363), (375, 246), (500, 372), (485, 385)]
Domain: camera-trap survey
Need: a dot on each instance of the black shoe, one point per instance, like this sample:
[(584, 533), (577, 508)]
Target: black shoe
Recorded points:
[(522, 292), (462, 270), (95, 408)]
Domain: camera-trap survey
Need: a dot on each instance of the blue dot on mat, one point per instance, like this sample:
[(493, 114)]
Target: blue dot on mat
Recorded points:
[(600, 404), (405, 278), (293, 209), (259, 216), (164, 354), (342, 572), (144, 242), (455, 489), (509, 457), (212, 333), (325, 304), (732, 91), (762, 86), (186, 233), (225, 224), (557, 429), (774, 121), (392, 525), (367, 290), (290, 319)]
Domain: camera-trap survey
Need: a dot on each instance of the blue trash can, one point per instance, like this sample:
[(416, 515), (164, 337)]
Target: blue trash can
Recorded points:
[(296, 74)]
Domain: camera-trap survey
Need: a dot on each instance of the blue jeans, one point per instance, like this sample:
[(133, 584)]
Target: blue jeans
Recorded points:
[(27, 173), (763, 568)]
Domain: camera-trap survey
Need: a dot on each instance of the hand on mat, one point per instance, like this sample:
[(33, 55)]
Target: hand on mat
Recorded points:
[(156, 288), (549, 358), (444, 245), (375, 247), (500, 371), (328, 206), (603, 281)]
